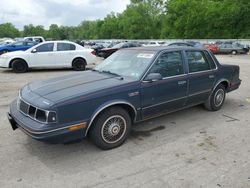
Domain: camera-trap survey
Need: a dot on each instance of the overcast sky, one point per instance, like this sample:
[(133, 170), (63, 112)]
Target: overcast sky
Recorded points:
[(61, 12)]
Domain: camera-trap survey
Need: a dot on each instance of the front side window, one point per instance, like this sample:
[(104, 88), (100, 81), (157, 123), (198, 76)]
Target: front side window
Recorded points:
[(48, 47), (168, 64), (65, 47), (197, 61), (18, 44)]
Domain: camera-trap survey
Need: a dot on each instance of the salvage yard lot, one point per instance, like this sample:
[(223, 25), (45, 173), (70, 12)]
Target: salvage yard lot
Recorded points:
[(189, 148)]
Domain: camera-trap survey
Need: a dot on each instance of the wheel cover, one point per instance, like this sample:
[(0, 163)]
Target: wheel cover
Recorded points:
[(113, 129), (79, 64), (219, 97), (19, 67)]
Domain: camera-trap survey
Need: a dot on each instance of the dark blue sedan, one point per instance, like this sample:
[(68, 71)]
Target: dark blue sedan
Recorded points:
[(131, 85), (16, 46)]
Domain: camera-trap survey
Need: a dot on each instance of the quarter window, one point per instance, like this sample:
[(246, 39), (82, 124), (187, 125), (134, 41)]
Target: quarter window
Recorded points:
[(210, 60), (197, 61), (65, 47), (48, 47), (168, 64)]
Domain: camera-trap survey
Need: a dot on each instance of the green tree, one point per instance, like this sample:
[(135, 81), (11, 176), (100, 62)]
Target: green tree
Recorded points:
[(8, 30)]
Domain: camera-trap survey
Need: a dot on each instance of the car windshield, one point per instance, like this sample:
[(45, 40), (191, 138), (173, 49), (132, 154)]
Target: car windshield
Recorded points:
[(127, 63)]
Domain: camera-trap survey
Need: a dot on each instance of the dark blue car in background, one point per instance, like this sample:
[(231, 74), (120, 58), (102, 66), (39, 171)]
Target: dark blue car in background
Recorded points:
[(130, 86), (16, 46)]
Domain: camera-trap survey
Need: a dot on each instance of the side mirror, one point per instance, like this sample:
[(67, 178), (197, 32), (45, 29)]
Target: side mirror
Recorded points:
[(153, 77), (33, 51)]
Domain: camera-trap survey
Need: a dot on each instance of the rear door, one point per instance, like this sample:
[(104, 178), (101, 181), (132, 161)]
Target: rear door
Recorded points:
[(201, 75), (65, 53), (169, 93)]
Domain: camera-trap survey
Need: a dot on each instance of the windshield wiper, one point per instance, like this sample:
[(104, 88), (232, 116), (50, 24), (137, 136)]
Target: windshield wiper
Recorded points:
[(113, 73)]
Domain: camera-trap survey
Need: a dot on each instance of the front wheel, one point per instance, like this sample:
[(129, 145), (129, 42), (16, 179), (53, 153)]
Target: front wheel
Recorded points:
[(111, 128), (216, 100), (19, 66)]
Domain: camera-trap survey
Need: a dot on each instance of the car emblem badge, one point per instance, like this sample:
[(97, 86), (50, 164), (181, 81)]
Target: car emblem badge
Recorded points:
[(46, 102), (134, 94)]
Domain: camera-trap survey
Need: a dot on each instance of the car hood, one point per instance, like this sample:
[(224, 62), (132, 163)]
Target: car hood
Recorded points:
[(14, 53), (72, 86)]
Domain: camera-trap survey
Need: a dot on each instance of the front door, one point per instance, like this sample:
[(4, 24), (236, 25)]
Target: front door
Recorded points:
[(170, 92), (43, 56)]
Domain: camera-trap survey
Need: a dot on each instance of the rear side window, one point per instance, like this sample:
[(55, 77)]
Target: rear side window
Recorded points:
[(168, 64), (65, 47), (210, 60), (197, 61), (48, 47)]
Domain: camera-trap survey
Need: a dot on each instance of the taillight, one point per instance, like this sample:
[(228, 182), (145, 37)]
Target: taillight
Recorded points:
[(93, 52)]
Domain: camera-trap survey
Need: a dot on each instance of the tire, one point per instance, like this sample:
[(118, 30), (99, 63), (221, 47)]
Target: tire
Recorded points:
[(79, 64), (19, 66), (111, 128), (216, 100), (234, 52)]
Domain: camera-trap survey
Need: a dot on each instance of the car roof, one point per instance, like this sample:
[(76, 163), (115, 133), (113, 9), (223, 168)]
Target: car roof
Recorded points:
[(163, 48)]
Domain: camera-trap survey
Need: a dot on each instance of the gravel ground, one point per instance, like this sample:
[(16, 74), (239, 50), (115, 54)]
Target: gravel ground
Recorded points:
[(190, 148)]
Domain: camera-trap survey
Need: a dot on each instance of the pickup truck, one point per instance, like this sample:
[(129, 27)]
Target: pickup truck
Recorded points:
[(130, 86)]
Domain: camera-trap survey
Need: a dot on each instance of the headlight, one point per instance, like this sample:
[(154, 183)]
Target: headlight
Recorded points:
[(35, 113), (4, 56)]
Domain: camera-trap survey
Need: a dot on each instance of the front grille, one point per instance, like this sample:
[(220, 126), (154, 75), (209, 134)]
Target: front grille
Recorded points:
[(32, 111)]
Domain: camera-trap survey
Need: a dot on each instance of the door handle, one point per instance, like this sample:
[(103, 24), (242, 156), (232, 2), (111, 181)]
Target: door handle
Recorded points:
[(211, 76), (182, 82)]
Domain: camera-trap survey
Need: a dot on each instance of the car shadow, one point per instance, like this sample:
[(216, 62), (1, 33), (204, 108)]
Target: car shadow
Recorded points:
[(84, 156)]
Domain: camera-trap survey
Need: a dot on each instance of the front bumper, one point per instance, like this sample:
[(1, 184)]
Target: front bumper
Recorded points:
[(33, 128), (4, 63)]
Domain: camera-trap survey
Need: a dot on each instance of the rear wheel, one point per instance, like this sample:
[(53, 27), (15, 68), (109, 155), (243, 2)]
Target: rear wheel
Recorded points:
[(79, 64), (234, 52), (216, 99), (19, 66), (111, 128)]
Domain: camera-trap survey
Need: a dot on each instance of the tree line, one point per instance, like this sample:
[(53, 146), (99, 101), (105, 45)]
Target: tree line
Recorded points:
[(154, 19)]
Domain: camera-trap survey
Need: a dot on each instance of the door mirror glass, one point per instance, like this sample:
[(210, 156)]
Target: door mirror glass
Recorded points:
[(34, 51), (153, 77)]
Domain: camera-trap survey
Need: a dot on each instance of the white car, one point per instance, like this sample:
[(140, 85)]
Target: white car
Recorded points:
[(51, 54)]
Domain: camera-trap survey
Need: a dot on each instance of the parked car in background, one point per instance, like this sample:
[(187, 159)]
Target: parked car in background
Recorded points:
[(50, 54), (5, 41), (37, 39), (183, 44), (154, 43), (212, 47), (106, 52), (16, 46), (231, 48), (130, 86)]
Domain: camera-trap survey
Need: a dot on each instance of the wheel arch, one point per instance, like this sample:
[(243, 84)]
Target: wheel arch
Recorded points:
[(17, 58), (224, 82), (79, 57), (123, 104)]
